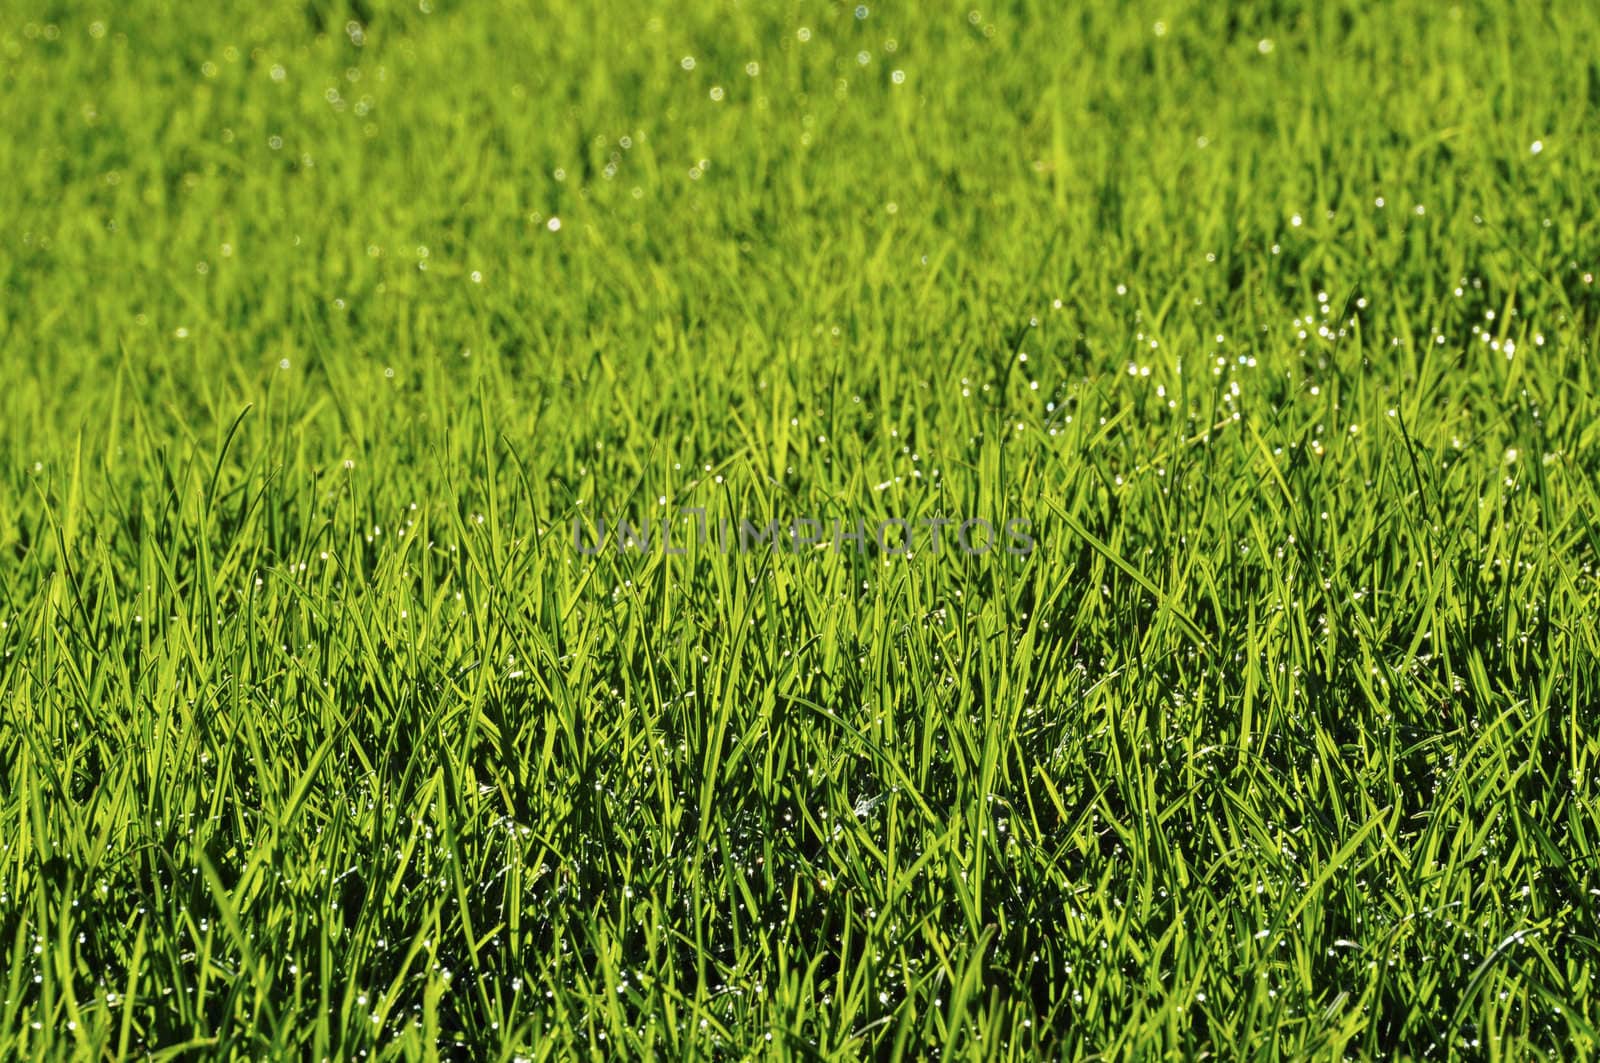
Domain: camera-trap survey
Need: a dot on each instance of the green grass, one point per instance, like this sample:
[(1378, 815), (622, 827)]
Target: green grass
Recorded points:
[(318, 738)]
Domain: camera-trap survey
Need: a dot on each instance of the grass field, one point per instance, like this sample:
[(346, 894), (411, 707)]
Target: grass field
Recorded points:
[(321, 736)]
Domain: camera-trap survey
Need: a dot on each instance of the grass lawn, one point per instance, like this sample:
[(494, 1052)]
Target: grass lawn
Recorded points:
[(340, 718)]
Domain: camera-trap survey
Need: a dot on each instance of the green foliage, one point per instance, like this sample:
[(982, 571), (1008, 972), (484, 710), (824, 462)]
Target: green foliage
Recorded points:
[(320, 324)]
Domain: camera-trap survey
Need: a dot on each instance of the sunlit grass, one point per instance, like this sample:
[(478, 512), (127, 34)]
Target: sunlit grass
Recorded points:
[(320, 325)]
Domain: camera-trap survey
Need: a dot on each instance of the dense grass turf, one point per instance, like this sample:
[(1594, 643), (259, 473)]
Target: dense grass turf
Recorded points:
[(320, 325)]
